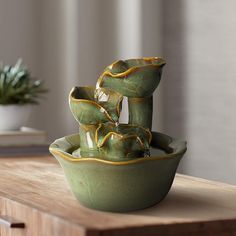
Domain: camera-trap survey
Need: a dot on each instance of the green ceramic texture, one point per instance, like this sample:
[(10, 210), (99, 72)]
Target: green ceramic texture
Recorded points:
[(119, 167), (134, 77), (122, 141), (88, 110), (112, 142), (93, 109), (120, 186), (87, 139), (110, 100), (140, 111)]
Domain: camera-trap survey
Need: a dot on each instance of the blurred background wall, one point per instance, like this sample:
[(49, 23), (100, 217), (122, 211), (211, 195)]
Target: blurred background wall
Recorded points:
[(69, 43)]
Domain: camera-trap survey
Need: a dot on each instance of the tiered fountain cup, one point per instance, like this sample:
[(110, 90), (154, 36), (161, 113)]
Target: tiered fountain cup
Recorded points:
[(112, 166)]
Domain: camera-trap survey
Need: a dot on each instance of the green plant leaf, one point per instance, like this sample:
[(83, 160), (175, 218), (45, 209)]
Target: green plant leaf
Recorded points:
[(18, 87)]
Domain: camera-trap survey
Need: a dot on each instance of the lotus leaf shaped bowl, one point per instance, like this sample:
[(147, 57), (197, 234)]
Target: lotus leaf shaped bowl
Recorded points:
[(135, 78), (120, 186)]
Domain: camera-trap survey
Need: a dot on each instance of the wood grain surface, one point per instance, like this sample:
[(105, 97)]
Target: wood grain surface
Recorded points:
[(34, 190)]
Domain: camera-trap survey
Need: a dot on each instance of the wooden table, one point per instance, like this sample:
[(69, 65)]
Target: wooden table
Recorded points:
[(34, 192)]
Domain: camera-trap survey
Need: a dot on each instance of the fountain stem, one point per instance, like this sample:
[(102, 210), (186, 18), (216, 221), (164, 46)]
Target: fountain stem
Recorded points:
[(140, 111)]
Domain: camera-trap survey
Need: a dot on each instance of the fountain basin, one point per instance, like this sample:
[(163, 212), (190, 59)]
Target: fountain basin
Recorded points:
[(120, 186)]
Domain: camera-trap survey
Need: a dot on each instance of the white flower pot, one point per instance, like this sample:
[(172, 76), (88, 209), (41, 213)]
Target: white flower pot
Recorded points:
[(12, 117)]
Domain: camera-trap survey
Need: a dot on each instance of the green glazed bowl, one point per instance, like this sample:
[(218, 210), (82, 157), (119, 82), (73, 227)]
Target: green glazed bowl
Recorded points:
[(133, 78), (120, 186)]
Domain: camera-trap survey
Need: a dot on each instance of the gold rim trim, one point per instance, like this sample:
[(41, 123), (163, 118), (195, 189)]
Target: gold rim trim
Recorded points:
[(107, 136), (123, 137), (130, 70), (66, 156), (94, 103), (75, 100), (118, 105)]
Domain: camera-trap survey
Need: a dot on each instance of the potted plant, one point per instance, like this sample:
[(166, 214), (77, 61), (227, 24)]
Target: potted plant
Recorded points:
[(18, 91)]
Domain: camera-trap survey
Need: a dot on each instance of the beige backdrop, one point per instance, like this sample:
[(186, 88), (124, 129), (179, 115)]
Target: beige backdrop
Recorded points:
[(68, 43)]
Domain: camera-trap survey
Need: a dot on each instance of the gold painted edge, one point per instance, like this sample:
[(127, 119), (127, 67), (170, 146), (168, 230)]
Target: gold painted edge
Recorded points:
[(130, 70), (69, 157), (119, 101), (107, 136), (75, 100), (66, 156)]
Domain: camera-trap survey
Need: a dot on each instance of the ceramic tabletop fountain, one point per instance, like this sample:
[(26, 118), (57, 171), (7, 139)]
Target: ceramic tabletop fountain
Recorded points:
[(112, 166)]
